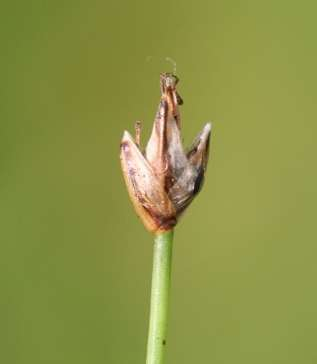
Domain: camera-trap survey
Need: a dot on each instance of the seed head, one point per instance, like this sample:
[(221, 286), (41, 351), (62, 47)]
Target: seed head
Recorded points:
[(164, 179)]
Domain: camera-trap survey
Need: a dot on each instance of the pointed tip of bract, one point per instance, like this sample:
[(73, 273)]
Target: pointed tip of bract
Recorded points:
[(207, 128), (199, 151), (126, 136), (205, 134), (127, 141)]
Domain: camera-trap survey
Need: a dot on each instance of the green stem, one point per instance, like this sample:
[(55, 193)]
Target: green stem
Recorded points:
[(161, 277)]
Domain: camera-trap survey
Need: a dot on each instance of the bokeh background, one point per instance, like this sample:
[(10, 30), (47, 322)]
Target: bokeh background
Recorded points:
[(75, 260)]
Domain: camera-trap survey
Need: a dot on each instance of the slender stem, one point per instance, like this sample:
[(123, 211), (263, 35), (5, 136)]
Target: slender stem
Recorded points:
[(161, 277)]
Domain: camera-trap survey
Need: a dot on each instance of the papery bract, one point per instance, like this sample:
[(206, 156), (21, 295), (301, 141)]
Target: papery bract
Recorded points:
[(164, 179)]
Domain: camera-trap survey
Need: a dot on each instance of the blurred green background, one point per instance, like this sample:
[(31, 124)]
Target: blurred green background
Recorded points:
[(75, 260)]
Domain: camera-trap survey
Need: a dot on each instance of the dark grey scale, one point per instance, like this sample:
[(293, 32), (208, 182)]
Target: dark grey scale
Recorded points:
[(179, 99), (199, 181)]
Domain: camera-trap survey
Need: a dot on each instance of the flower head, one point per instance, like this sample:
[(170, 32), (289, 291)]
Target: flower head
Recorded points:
[(164, 179)]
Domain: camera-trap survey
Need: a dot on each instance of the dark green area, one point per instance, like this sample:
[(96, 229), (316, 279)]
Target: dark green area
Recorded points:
[(75, 261)]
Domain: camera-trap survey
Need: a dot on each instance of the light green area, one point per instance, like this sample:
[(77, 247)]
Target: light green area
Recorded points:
[(160, 292), (75, 262)]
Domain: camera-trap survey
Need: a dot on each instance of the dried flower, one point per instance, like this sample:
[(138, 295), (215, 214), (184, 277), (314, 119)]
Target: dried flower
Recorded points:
[(163, 180)]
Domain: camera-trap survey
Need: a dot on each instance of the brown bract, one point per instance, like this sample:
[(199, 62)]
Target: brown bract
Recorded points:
[(164, 179)]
